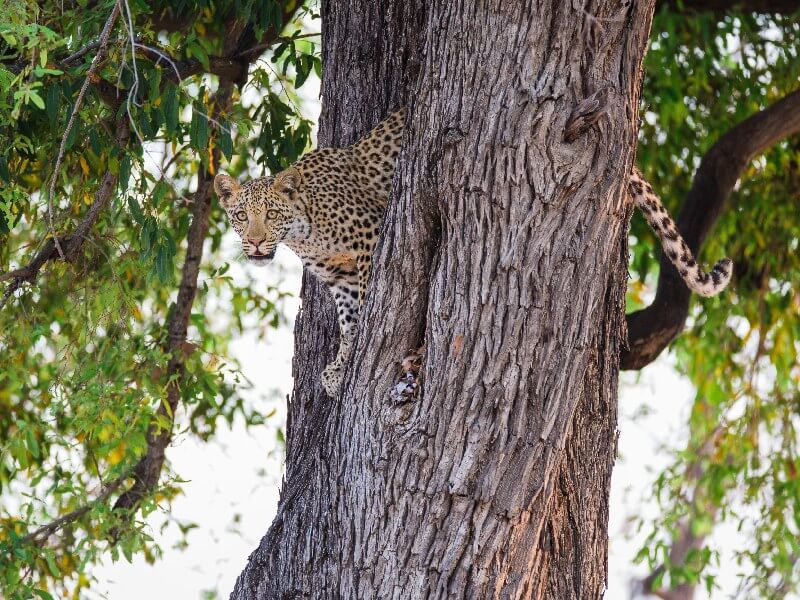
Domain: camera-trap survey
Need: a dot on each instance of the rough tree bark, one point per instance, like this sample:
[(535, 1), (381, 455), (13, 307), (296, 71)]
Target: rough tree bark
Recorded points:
[(503, 252)]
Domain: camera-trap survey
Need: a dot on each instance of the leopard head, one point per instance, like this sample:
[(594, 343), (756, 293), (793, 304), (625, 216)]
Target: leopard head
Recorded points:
[(263, 211)]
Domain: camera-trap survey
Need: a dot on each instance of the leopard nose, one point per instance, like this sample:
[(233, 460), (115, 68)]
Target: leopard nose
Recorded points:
[(255, 241)]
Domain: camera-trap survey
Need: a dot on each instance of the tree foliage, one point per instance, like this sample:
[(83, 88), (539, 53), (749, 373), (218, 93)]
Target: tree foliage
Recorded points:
[(703, 75), (85, 343)]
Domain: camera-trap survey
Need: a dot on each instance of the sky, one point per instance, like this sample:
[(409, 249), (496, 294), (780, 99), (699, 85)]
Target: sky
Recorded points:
[(232, 484)]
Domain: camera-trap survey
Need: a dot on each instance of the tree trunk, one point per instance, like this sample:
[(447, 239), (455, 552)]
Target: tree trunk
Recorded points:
[(503, 252)]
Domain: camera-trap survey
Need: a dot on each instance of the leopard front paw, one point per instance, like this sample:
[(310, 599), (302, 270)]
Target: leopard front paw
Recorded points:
[(332, 379)]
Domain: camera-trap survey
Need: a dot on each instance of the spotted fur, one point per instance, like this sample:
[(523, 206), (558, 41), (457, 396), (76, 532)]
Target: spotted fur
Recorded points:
[(327, 207), (700, 282)]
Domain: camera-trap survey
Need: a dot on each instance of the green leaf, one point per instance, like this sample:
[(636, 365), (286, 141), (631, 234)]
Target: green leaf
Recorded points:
[(51, 563), (36, 99), (73, 134), (170, 106), (159, 192), (124, 173), (198, 131), (51, 103), (304, 65), (225, 142), (33, 445), (136, 210)]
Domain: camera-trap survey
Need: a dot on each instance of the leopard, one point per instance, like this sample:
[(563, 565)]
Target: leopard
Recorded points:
[(328, 208)]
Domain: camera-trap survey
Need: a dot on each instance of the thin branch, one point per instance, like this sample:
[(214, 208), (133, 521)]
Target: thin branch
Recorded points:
[(50, 528), (79, 53), (258, 48), (90, 74), (148, 470), (685, 540), (652, 329)]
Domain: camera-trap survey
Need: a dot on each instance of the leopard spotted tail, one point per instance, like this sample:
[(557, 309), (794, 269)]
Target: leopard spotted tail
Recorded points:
[(700, 282)]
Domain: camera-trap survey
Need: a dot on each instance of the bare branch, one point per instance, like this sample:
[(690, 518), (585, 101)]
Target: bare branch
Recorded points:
[(652, 329)]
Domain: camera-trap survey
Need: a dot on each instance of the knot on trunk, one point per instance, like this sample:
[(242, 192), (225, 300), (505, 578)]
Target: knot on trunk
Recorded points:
[(587, 113)]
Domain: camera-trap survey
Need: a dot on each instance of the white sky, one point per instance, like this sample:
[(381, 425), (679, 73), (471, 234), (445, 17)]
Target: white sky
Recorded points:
[(239, 474)]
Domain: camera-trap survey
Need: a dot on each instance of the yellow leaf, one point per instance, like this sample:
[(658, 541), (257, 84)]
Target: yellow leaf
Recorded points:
[(84, 165), (117, 454)]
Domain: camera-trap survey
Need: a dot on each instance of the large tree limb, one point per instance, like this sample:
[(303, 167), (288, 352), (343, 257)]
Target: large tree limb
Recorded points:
[(723, 6), (652, 329)]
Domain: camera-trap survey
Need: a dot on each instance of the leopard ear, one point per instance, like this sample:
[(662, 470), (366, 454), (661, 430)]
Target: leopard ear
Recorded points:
[(288, 182), (226, 188)]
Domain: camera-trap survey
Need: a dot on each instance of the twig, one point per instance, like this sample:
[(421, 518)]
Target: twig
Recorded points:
[(161, 55), (260, 47), (76, 55), (98, 58)]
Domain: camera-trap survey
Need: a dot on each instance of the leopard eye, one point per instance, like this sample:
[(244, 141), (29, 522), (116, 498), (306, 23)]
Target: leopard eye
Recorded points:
[(272, 215), (240, 215)]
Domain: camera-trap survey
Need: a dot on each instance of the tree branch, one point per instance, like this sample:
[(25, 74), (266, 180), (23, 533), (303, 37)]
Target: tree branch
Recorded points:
[(147, 471), (98, 58), (50, 528), (685, 540), (724, 6), (652, 329)]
